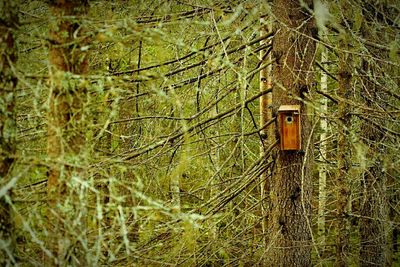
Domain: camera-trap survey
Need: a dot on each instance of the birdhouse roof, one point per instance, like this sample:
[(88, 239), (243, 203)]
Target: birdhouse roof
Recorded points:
[(286, 108)]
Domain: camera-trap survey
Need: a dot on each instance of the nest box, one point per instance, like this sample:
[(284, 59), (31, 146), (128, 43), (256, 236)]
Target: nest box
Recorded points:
[(289, 127)]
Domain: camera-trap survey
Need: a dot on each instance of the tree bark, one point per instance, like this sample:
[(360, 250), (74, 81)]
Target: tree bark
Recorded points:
[(8, 83), (267, 135), (374, 203), (291, 184), (66, 135), (323, 154), (343, 164)]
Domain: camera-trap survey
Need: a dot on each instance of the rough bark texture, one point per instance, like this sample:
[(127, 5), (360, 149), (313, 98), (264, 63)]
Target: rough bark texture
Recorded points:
[(343, 164), (291, 180), (65, 125), (374, 203), (374, 215), (8, 82), (267, 134)]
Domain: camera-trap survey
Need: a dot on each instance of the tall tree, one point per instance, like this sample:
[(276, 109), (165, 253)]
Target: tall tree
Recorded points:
[(343, 141), (8, 83), (374, 210), (322, 156), (374, 206), (267, 134), (343, 162), (68, 57), (293, 50)]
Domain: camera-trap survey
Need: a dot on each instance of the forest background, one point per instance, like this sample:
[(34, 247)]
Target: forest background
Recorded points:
[(146, 133)]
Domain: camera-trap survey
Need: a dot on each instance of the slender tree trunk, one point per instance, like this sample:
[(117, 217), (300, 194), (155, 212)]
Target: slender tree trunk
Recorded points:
[(8, 83), (291, 185), (343, 163), (380, 194), (374, 203), (322, 157), (66, 135), (267, 134)]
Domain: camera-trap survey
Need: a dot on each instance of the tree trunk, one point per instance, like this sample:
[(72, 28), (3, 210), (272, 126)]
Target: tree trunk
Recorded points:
[(322, 157), (8, 83), (291, 179), (66, 135), (374, 203), (343, 163), (267, 134), (374, 222)]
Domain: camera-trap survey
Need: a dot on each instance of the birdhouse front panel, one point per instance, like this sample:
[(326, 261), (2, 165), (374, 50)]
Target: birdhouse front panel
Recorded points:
[(289, 124)]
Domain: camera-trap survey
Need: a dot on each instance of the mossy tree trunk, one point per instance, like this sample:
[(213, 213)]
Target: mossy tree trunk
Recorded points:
[(66, 136), (8, 83), (343, 163), (291, 185), (374, 225)]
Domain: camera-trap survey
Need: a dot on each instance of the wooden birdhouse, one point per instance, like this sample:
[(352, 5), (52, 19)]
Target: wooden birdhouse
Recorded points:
[(289, 127)]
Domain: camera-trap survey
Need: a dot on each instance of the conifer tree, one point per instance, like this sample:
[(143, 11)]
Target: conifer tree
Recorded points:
[(293, 51)]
